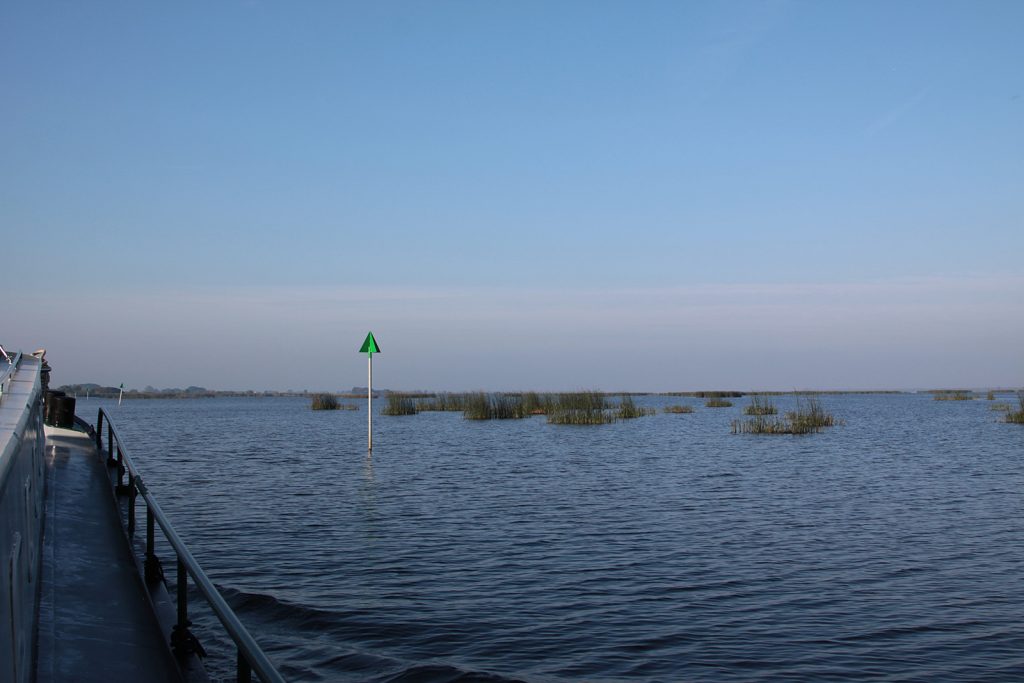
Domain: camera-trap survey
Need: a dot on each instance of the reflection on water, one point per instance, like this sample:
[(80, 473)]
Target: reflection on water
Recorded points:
[(663, 548), (368, 499), (368, 471)]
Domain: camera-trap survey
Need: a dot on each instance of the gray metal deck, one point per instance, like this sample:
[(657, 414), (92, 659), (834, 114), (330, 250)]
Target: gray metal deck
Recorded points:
[(95, 622)]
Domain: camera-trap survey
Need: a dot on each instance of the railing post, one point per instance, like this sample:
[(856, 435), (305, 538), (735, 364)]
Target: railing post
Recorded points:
[(132, 493), (180, 637), (153, 572), (99, 429), (120, 470), (244, 670), (110, 445), (182, 594)]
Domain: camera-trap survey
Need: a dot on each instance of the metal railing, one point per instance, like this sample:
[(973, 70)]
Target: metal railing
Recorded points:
[(8, 372), (250, 657)]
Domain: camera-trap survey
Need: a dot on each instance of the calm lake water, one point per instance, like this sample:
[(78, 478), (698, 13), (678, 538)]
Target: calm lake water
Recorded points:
[(657, 549)]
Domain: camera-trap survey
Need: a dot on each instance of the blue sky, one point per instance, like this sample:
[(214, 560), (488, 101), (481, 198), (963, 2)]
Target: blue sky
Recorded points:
[(647, 196)]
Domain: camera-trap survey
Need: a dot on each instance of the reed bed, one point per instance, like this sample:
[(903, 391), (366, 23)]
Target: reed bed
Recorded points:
[(808, 418), (760, 405), (536, 404), (325, 402), (628, 410), (990, 396), (954, 396), (579, 408), (1001, 407), (400, 404), (772, 425), (476, 407), (443, 402), (717, 403), (507, 407), (1017, 416), (482, 406), (719, 394), (812, 413), (678, 409)]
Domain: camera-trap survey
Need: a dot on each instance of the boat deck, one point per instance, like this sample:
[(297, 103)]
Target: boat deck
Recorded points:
[(95, 621)]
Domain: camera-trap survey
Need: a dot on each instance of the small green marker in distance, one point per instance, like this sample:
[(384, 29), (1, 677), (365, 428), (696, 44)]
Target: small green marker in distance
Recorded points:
[(369, 347)]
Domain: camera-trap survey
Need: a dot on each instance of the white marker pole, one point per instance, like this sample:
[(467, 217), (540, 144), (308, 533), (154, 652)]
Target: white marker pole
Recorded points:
[(369, 403), (369, 348), (120, 395)]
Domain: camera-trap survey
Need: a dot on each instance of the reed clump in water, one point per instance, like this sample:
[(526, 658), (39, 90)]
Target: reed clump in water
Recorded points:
[(1017, 416), (579, 408), (808, 418), (628, 410), (507, 407), (990, 396), (1001, 407), (400, 404), (717, 403), (476, 407), (954, 396), (326, 402), (677, 409), (481, 406), (772, 425), (760, 405), (443, 402), (536, 404), (812, 413)]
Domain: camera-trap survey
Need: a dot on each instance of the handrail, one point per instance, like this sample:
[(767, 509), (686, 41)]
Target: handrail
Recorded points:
[(250, 656), (7, 373)]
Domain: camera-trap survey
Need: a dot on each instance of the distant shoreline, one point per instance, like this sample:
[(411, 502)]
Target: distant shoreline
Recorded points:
[(97, 391)]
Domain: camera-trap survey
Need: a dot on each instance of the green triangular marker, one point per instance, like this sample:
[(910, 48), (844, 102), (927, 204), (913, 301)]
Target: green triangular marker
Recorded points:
[(370, 345)]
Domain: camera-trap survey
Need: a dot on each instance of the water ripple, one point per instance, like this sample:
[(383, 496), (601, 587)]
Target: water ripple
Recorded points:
[(663, 549)]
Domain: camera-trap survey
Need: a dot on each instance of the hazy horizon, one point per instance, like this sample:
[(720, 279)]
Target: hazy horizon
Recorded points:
[(858, 349), (655, 197), (613, 392)]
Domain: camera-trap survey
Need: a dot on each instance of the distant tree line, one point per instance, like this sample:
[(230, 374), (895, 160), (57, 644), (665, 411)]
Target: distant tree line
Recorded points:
[(98, 391)]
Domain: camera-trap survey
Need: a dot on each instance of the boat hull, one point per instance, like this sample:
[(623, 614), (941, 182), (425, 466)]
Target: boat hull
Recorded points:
[(21, 516)]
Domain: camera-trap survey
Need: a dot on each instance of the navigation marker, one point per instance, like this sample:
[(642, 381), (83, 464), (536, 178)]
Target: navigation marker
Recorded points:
[(369, 347), (120, 395)]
